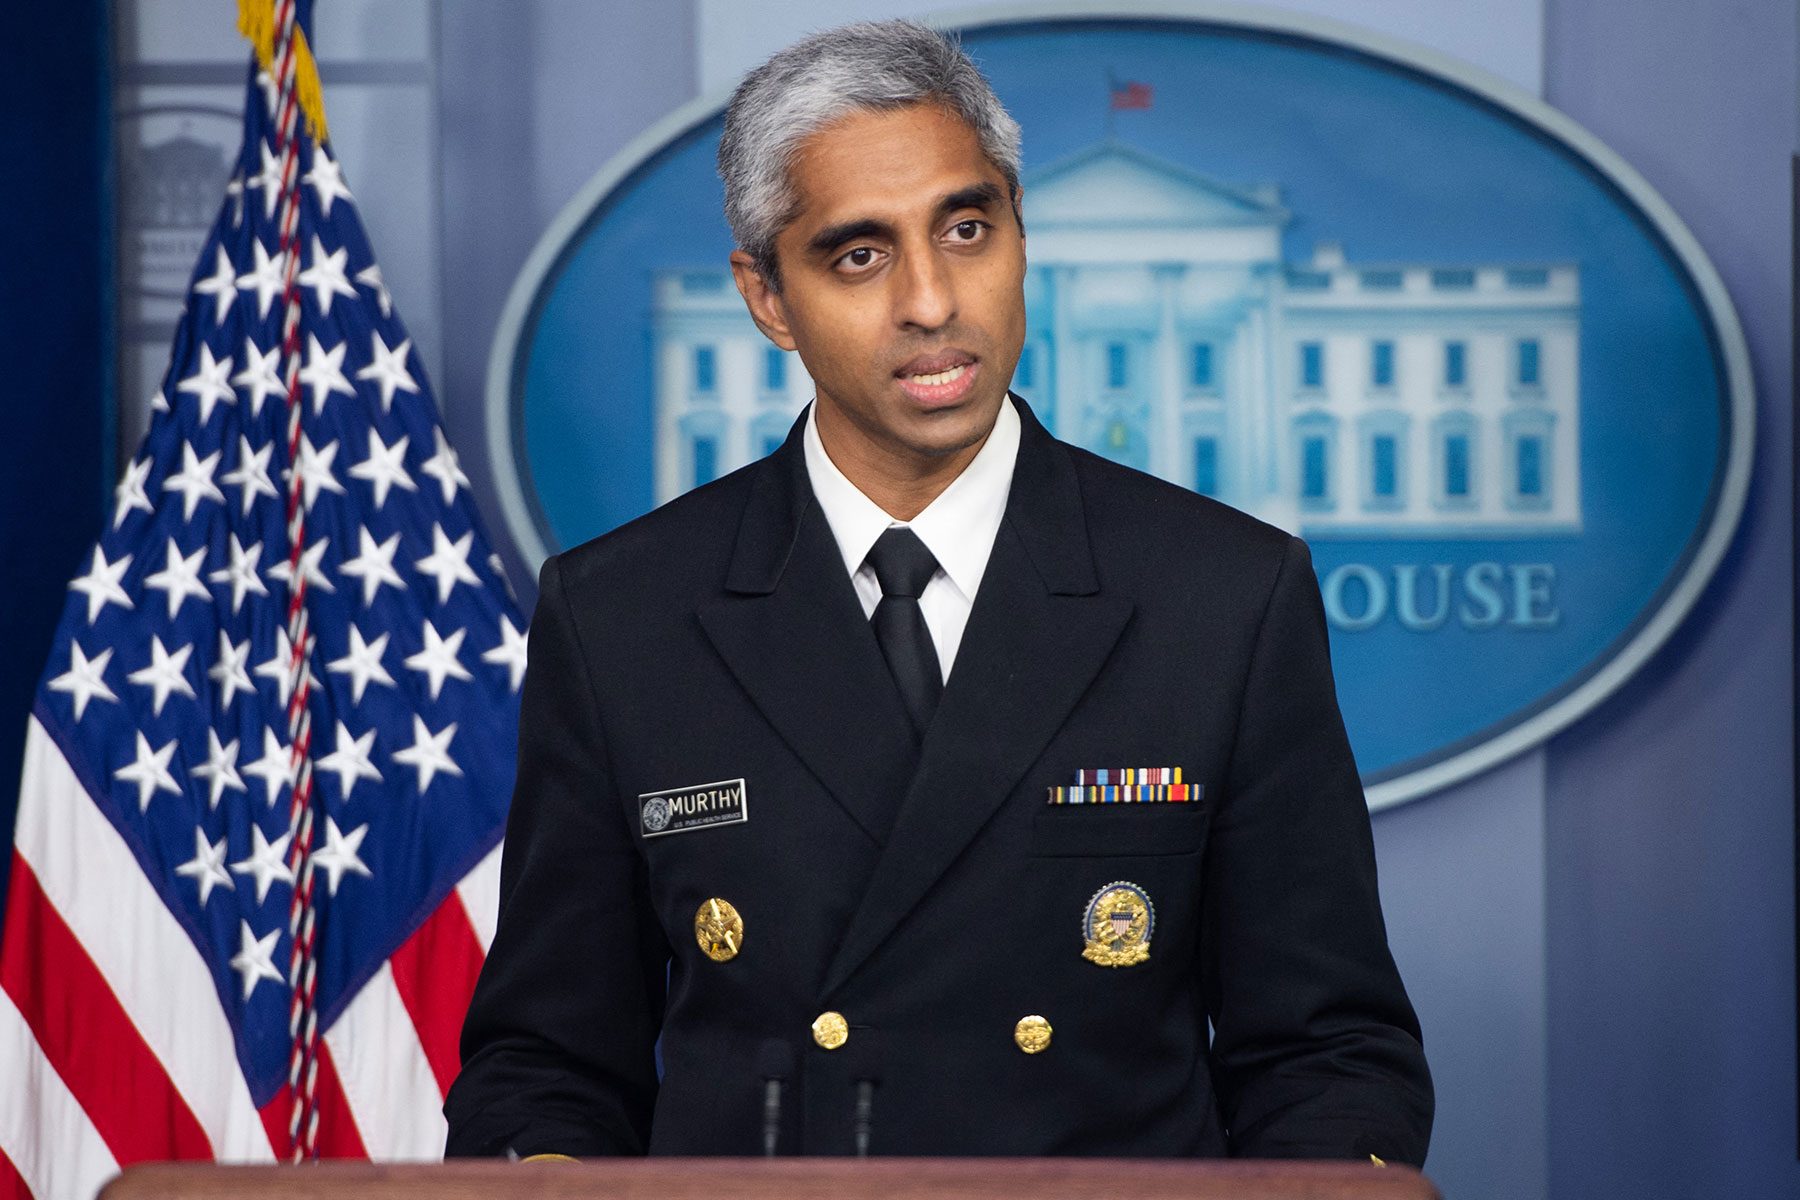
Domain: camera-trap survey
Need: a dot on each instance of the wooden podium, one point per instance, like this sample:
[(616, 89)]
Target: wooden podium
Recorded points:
[(783, 1179)]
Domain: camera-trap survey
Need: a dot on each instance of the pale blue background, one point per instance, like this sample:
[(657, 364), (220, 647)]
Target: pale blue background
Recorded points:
[(1600, 935)]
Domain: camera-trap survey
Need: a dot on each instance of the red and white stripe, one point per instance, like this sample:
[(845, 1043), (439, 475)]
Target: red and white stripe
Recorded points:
[(114, 1047)]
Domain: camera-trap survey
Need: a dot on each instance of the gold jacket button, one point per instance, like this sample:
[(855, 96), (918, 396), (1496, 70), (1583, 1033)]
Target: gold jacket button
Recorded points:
[(830, 1030), (1032, 1034), (719, 930)]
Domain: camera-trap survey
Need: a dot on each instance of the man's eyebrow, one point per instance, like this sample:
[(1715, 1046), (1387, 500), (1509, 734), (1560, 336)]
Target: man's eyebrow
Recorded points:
[(833, 236), (981, 195)]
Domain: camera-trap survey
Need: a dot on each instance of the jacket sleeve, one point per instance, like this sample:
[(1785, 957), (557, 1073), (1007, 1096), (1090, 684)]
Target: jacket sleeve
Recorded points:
[(558, 1046), (1316, 1049)]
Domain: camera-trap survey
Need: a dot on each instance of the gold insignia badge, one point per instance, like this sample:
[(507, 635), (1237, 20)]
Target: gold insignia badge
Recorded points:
[(719, 930), (1117, 925)]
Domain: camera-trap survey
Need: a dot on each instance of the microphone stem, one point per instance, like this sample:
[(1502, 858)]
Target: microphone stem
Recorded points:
[(865, 1114), (771, 1116)]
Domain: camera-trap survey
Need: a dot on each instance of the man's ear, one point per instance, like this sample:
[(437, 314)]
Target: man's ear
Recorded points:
[(763, 301)]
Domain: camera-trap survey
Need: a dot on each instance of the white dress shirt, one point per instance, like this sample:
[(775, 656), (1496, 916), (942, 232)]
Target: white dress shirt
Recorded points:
[(958, 528)]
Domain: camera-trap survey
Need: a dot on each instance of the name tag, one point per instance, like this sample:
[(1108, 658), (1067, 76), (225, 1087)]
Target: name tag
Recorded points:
[(702, 806)]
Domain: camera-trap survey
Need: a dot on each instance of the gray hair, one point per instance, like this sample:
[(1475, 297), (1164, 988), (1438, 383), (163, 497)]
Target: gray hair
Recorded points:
[(868, 66)]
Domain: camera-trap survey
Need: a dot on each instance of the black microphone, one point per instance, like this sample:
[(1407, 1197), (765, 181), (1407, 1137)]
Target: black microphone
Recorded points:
[(775, 1064), (862, 1123)]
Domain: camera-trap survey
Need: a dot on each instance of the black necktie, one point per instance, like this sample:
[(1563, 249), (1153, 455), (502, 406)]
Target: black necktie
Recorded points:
[(904, 566)]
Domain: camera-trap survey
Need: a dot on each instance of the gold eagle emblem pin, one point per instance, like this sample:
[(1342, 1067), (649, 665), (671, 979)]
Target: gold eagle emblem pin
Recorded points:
[(1117, 925), (719, 930)]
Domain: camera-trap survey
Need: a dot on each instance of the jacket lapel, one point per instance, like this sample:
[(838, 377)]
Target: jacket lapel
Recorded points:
[(793, 635), (1038, 634)]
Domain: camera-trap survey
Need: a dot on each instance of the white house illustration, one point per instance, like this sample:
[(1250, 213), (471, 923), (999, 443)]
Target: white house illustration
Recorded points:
[(1167, 332)]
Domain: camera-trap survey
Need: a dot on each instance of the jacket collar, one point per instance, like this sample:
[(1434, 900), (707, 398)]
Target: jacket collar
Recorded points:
[(1044, 508)]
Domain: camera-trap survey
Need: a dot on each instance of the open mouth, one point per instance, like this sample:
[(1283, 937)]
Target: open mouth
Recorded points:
[(939, 379)]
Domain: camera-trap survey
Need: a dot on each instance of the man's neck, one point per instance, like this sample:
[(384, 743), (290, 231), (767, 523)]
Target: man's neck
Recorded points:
[(902, 486)]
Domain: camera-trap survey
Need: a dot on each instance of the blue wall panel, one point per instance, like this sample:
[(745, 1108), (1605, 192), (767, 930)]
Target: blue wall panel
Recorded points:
[(55, 340), (1670, 907)]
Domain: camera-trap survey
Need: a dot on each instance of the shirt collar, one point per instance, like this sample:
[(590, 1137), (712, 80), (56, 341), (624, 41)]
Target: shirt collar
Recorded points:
[(958, 527)]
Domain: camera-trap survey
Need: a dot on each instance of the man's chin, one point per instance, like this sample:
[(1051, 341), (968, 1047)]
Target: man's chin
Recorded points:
[(944, 433)]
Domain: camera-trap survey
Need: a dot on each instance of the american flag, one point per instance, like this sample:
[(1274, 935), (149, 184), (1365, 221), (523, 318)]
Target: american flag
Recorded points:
[(1130, 94), (151, 995)]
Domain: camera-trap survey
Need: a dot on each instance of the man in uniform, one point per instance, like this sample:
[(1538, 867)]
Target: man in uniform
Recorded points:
[(930, 786)]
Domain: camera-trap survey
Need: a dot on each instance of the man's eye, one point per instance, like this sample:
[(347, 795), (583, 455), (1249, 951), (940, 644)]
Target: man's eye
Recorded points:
[(860, 257), (967, 231)]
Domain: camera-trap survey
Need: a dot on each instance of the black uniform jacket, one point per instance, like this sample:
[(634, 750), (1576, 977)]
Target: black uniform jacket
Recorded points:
[(1122, 622)]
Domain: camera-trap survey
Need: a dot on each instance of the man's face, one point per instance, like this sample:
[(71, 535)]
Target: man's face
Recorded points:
[(902, 287)]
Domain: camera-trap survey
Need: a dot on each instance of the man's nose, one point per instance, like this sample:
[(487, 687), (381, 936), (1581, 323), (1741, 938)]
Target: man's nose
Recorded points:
[(925, 294)]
